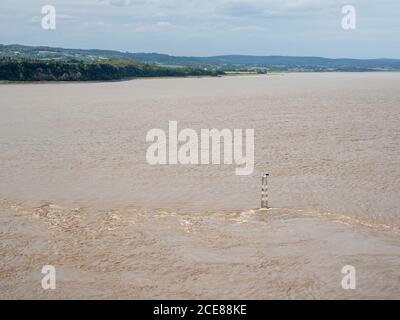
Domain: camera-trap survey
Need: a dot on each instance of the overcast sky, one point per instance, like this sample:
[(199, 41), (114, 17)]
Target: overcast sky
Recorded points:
[(209, 27)]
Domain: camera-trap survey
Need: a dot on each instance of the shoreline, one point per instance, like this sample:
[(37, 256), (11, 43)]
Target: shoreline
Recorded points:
[(6, 82)]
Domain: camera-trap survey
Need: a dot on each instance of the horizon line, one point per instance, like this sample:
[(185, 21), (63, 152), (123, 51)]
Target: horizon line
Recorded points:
[(194, 56)]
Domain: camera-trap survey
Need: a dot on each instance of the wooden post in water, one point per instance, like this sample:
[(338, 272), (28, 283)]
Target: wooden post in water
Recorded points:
[(264, 192)]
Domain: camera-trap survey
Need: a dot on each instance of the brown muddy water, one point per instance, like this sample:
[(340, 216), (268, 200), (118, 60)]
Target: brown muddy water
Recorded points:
[(76, 191)]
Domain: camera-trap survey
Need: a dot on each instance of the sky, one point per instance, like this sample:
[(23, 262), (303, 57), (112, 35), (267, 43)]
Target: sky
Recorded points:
[(206, 28)]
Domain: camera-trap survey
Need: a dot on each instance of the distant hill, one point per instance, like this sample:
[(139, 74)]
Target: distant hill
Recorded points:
[(226, 62)]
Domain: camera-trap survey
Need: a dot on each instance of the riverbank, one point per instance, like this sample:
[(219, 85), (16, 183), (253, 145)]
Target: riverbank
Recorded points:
[(12, 69)]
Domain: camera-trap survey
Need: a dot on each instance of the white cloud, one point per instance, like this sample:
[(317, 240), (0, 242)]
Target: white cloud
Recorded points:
[(157, 27), (210, 26), (96, 24), (163, 24), (269, 8), (248, 29), (126, 3)]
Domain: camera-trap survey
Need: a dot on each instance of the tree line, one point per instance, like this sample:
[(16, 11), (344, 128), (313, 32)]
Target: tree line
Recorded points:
[(12, 69)]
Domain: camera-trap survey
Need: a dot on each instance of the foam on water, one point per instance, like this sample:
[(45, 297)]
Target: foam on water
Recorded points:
[(138, 253)]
